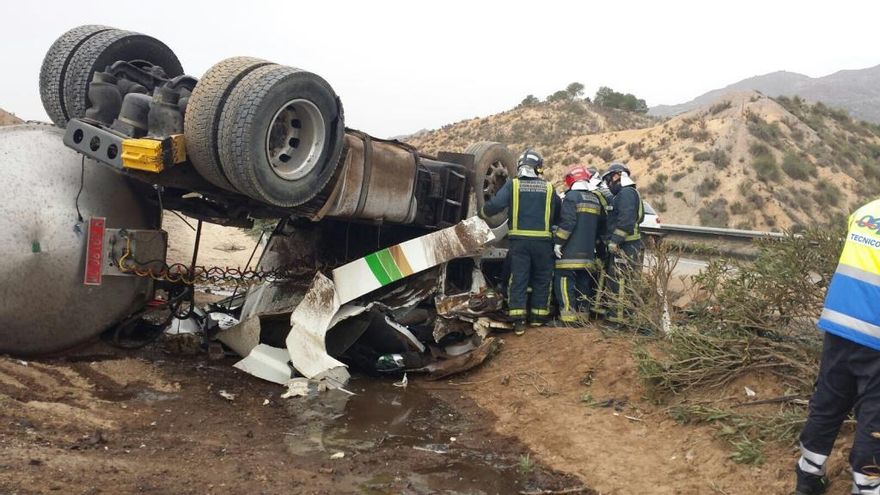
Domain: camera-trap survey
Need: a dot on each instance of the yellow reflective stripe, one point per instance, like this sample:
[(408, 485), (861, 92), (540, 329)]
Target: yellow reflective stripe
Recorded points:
[(541, 312), (529, 233), (588, 209), (566, 303), (570, 266), (620, 232), (547, 208), (514, 217), (516, 312), (563, 234)]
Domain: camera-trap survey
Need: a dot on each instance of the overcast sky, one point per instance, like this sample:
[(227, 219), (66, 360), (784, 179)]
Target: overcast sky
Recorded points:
[(404, 66)]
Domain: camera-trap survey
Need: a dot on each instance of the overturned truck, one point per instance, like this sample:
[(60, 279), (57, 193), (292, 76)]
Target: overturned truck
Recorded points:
[(133, 135)]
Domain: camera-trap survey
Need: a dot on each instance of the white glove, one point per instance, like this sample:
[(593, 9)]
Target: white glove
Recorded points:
[(557, 250)]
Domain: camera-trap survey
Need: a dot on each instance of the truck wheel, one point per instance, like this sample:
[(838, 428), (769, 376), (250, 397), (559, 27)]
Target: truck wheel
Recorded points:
[(55, 66), (203, 112), (104, 49), (281, 135), (494, 164)]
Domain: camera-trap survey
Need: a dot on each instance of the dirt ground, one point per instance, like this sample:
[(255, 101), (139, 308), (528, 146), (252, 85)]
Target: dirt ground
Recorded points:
[(110, 421), (535, 385)]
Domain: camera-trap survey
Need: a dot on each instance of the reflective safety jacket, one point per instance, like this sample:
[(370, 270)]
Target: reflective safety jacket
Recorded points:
[(532, 207), (577, 229), (627, 212), (852, 304)]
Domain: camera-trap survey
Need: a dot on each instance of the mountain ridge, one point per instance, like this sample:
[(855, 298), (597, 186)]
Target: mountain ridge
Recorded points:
[(855, 90)]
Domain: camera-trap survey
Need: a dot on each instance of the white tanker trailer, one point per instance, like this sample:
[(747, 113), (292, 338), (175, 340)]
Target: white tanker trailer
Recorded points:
[(82, 247)]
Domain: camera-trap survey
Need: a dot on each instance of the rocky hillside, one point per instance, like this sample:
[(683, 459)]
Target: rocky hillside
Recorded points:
[(7, 118), (746, 161), (857, 91), (546, 126)]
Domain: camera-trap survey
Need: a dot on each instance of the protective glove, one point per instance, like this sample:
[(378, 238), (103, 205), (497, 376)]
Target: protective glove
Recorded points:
[(557, 250)]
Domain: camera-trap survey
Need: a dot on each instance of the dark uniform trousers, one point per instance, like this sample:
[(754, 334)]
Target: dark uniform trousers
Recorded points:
[(531, 266), (532, 209), (849, 380), (627, 213), (576, 233)]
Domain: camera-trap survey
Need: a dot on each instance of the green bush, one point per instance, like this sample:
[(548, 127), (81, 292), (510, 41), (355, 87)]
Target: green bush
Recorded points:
[(737, 208), (798, 168), (827, 194), (529, 101), (658, 186), (717, 156), (608, 98), (757, 149), (714, 213), (766, 168), (719, 107), (708, 185), (763, 130)]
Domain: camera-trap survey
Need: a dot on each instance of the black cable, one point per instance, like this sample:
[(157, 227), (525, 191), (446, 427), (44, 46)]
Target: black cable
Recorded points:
[(184, 220), (82, 182)]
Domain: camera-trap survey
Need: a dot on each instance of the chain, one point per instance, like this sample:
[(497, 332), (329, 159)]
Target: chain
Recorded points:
[(180, 273)]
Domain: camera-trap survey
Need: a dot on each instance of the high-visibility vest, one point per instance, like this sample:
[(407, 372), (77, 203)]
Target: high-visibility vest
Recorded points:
[(852, 304), (531, 222)]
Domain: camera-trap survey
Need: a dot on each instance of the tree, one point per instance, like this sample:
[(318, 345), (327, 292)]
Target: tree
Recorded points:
[(561, 95), (529, 101), (608, 98), (575, 90)]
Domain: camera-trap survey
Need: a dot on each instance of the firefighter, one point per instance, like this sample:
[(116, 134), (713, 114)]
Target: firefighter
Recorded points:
[(532, 206), (849, 373), (603, 260), (624, 241), (575, 246)]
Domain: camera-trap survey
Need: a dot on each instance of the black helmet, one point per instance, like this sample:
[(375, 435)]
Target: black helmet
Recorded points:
[(616, 167), (530, 158)]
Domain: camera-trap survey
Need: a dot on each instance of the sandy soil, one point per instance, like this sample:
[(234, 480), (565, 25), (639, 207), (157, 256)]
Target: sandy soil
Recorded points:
[(535, 385), (220, 246), (105, 421)]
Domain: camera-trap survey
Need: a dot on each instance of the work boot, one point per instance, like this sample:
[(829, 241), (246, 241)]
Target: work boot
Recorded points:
[(519, 327), (810, 484)]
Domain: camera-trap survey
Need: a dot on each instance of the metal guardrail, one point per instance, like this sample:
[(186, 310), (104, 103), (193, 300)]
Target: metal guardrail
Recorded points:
[(710, 232)]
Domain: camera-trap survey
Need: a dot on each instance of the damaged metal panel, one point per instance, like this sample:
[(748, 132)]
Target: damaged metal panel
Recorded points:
[(389, 265), (377, 183), (320, 308)]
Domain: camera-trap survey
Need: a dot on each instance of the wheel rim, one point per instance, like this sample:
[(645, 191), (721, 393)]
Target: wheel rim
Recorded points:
[(496, 176), (295, 139)]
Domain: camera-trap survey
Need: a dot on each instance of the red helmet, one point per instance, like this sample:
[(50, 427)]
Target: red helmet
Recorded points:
[(575, 174)]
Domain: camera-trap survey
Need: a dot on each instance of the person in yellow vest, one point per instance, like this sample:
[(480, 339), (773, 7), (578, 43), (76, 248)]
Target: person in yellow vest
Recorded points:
[(532, 206), (849, 373)]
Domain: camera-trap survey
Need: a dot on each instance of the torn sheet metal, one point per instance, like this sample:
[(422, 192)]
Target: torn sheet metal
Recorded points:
[(242, 338), (310, 322), (397, 262), (316, 314), (447, 367), (268, 363)]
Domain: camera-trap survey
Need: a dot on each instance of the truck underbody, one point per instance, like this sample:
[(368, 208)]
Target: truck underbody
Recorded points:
[(249, 140)]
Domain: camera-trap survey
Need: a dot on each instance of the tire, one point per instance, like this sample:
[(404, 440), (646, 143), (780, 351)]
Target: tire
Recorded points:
[(244, 138), (54, 68), (103, 49), (203, 113), (493, 165)]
